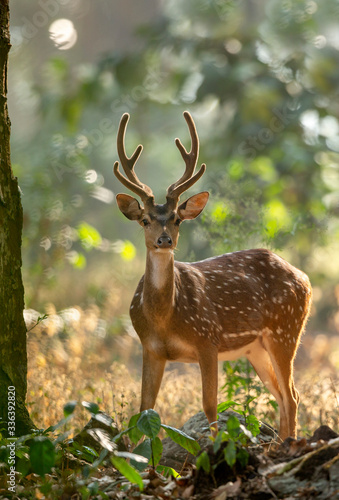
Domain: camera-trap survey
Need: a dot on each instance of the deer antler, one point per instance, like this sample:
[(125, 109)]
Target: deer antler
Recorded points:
[(132, 182), (187, 179)]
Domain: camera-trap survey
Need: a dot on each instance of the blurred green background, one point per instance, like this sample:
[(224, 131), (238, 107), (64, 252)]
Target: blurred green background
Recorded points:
[(261, 80)]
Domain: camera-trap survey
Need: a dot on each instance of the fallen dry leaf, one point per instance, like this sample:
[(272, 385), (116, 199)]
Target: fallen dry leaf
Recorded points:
[(229, 489)]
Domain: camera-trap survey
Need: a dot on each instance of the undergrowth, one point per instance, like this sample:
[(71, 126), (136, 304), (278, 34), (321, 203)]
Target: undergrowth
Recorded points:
[(72, 356), (49, 464)]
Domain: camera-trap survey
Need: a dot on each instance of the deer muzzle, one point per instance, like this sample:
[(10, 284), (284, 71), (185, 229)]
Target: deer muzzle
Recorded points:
[(164, 241)]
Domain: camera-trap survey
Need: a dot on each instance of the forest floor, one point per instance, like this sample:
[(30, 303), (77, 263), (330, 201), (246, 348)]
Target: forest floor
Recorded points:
[(296, 469), (72, 358)]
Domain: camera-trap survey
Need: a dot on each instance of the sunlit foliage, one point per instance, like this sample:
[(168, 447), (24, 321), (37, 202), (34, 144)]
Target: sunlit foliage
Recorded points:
[(261, 81)]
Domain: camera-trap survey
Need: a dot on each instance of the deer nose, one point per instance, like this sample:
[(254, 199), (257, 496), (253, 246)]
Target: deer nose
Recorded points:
[(164, 241)]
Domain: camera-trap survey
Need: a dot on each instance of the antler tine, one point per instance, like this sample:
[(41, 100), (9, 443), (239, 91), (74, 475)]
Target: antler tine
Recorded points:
[(132, 182), (187, 179), (140, 191), (189, 158)]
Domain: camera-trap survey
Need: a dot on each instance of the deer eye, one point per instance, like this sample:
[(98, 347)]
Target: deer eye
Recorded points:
[(178, 222), (144, 222)]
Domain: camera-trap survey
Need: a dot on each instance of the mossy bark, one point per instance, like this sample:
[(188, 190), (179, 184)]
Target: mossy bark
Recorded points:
[(13, 354)]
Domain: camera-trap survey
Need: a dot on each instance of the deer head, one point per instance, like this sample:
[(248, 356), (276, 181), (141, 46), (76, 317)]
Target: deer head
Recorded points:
[(160, 222)]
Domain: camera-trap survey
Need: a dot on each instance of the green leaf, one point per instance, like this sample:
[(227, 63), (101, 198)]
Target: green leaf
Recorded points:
[(20, 451), (4, 451), (233, 426), (242, 456), (203, 462), (134, 433), (218, 440), (249, 400), (84, 492), (143, 449), (90, 451), (134, 419), (182, 439), (86, 471), (42, 455), (46, 488), (23, 466), (91, 407), (230, 453), (128, 471), (41, 318), (128, 431), (226, 405), (167, 471), (100, 459), (69, 408), (253, 425), (149, 423), (157, 448)]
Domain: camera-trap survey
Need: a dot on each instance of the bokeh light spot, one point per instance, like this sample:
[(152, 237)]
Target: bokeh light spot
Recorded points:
[(63, 34)]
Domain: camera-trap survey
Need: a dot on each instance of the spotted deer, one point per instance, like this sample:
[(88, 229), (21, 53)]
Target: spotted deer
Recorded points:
[(249, 303)]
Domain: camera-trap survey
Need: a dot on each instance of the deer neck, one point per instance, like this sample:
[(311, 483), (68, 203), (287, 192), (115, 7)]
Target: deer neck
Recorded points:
[(159, 285)]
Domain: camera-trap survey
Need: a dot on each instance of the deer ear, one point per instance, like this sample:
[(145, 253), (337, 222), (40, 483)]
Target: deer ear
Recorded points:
[(192, 207), (129, 206)]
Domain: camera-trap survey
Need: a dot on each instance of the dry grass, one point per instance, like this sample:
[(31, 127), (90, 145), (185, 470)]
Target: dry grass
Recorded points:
[(72, 357)]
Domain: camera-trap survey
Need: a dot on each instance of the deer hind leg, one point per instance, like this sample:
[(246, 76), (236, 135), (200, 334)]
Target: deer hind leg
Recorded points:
[(261, 362), (152, 373), (282, 355)]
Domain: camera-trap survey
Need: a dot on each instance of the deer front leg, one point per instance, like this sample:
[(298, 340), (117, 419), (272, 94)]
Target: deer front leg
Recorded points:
[(208, 361), (152, 372)]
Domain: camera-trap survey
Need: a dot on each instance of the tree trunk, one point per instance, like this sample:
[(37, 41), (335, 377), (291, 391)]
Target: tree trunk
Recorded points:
[(13, 354)]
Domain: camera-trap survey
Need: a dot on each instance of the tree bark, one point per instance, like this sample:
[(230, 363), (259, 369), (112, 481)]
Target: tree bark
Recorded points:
[(13, 353)]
